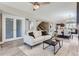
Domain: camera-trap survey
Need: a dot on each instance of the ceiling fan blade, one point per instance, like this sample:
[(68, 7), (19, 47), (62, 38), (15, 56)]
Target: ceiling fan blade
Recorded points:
[(44, 3), (34, 2), (41, 3)]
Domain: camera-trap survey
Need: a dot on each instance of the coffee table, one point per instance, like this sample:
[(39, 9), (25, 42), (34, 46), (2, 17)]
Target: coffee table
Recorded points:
[(53, 43)]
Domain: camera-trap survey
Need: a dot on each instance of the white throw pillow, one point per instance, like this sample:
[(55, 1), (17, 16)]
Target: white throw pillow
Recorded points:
[(40, 33), (37, 34)]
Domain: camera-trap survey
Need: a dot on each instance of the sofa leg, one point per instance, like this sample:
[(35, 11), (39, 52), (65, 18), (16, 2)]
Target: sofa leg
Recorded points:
[(43, 45), (1, 45), (31, 47)]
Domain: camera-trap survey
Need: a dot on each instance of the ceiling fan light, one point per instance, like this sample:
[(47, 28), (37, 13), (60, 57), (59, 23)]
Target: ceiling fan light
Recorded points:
[(36, 6)]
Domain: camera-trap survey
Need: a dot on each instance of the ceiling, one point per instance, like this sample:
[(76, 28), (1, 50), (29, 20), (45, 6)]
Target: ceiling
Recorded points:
[(55, 11)]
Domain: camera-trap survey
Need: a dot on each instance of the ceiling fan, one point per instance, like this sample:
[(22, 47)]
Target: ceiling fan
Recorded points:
[(37, 5)]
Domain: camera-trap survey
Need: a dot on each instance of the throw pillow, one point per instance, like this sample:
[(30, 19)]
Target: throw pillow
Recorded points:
[(31, 34), (44, 33), (36, 34)]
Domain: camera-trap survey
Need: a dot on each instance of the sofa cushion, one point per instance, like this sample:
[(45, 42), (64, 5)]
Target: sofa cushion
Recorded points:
[(40, 34), (39, 39), (31, 34)]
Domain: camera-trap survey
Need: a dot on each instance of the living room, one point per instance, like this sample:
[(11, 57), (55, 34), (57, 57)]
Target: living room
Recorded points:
[(28, 31)]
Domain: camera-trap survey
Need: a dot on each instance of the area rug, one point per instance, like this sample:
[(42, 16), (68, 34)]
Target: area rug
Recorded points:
[(69, 48), (39, 51)]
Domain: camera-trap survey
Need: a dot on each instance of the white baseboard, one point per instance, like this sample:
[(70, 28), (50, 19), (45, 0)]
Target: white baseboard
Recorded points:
[(6, 40)]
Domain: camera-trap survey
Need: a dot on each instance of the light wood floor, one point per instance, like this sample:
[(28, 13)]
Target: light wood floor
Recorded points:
[(11, 48)]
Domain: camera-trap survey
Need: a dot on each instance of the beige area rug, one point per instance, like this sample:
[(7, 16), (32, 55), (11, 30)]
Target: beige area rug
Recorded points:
[(70, 48)]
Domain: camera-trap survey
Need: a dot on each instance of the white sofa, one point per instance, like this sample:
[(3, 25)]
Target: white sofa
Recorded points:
[(38, 38)]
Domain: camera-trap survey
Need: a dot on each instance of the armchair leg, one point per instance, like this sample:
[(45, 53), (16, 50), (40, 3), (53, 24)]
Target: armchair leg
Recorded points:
[(43, 45), (54, 50), (59, 45)]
